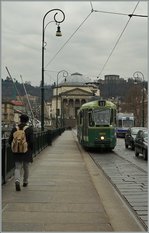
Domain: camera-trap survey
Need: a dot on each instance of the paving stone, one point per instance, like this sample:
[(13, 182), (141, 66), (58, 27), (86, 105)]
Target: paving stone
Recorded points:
[(60, 195), (22, 227), (56, 218), (78, 227), (56, 207)]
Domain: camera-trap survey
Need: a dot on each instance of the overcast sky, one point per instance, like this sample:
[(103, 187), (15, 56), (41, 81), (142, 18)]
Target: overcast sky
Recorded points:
[(86, 52)]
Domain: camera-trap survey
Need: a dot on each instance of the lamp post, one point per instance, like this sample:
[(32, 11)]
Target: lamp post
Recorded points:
[(65, 74), (137, 78), (58, 33)]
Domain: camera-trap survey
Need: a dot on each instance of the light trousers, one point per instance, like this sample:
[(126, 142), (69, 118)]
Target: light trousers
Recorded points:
[(18, 168)]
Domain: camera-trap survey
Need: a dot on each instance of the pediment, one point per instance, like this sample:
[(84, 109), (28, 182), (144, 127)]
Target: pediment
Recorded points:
[(76, 92)]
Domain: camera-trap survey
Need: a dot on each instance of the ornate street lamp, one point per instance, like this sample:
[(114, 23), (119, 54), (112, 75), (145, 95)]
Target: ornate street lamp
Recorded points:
[(65, 74), (137, 78), (58, 33)]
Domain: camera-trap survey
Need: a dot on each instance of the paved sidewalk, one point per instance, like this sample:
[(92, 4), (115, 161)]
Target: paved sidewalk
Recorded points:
[(60, 197)]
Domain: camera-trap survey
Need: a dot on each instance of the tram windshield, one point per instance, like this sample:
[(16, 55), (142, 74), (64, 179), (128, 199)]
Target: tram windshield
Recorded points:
[(126, 123), (101, 116)]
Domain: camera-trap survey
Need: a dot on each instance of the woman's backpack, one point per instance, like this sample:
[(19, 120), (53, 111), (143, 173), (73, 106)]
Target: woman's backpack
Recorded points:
[(19, 143)]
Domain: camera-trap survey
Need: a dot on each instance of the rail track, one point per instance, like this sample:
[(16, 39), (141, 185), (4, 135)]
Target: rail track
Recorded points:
[(128, 179)]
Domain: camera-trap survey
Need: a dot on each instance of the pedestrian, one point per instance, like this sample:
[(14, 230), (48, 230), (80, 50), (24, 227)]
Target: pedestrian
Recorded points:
[(25, 157)]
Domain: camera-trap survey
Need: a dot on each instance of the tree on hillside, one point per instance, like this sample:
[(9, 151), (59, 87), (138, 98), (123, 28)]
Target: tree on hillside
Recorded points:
[(133, 103)]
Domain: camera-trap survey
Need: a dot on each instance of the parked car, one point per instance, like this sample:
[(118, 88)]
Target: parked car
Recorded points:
[(130, 136), (141, 143)]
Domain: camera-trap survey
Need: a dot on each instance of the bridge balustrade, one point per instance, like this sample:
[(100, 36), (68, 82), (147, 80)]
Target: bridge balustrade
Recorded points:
[(41, 141)]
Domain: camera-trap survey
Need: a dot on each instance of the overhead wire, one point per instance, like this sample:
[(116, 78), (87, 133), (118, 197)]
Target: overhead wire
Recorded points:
[(92, 10), (117, 41), (110, 12), (91, 6), (118, 13), (138, 15), (69, 39), (71, 35)]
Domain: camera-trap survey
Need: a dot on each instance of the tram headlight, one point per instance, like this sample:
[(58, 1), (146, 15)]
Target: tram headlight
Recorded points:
[(102, 138)]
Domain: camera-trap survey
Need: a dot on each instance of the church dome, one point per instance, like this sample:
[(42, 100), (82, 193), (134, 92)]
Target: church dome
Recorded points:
[(75, 79)]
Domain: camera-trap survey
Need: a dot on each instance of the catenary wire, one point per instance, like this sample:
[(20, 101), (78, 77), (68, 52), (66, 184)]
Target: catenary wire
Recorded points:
[(118, 13), (110, 12), (91, 6), (117, 41), (92, 10), (68, 39)]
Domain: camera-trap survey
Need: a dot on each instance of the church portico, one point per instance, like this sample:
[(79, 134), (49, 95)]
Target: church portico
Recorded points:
[(68, 98)]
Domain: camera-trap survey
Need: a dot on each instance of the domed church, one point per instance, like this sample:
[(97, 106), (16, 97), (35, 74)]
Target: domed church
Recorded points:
[(68, 96)]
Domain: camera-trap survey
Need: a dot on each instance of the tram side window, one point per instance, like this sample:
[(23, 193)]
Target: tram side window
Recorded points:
[(91, 122), (113, 116), (81, 117)]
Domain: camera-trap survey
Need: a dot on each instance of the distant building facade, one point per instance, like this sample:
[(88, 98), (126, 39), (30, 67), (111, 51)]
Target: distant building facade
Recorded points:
[(70, 94), (11, 110), (111, 78), (7, 113), (18, 105)]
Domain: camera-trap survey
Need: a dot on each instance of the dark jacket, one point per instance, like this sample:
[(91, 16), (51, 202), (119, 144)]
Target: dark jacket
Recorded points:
[(29, 138)]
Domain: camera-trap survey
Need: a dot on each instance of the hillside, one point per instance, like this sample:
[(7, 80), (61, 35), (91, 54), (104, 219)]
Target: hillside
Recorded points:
[(12, 89)]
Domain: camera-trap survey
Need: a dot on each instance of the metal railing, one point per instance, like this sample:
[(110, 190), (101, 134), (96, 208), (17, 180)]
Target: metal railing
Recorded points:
[(41, 141)]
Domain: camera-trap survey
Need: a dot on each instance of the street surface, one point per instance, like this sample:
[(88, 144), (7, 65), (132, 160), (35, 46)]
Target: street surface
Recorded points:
[(129, 155), (128, 174)]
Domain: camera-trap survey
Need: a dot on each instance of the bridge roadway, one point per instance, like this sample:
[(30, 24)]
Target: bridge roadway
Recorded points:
[(66, 192)]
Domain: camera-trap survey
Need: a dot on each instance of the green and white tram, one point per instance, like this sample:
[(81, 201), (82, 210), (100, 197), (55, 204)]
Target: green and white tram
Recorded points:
[(96, 124)]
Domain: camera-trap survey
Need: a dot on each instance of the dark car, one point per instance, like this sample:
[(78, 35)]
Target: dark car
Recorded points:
[(130, 136), (141, 143)]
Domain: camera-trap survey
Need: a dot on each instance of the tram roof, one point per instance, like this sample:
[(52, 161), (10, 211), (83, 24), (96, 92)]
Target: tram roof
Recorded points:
[(95, 104)]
